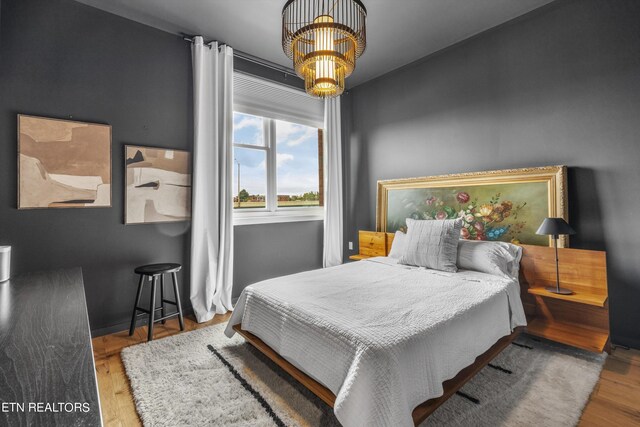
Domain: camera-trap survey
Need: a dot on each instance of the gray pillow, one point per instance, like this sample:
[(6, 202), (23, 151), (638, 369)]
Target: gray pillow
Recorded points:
[(432, 244), (397, 246), (497, 258)]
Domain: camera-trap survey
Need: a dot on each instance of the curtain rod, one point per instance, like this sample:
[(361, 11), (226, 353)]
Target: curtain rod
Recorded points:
[(208, 44), (248, 57)]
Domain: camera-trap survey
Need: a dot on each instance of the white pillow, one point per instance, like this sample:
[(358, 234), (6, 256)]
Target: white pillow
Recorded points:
[(432, 244), (398, 244), (497, 258)]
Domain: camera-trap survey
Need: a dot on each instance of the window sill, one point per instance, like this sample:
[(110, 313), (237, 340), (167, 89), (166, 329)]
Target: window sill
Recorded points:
[(249, 218)]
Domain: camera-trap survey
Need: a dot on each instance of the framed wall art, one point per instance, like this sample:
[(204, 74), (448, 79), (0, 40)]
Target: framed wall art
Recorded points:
[(158, 185), (505, 205), (63, 163)]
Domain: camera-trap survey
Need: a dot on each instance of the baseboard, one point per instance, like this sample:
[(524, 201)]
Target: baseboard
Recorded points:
[(123, 326)]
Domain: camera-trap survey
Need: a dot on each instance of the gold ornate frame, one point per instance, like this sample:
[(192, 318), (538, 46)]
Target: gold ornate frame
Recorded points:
[(554, 176)]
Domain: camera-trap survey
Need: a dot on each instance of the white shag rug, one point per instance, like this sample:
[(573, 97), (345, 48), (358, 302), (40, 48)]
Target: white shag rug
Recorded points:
[(203, 378)]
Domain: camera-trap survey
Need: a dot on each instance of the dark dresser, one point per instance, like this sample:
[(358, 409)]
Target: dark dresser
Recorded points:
[(47, 373)]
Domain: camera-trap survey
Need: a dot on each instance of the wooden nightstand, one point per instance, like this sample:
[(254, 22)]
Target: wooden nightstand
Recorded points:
[(372, 244), (580, 319)]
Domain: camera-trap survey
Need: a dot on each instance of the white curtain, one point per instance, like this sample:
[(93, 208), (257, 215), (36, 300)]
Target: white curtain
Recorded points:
[(332, 253), (212, 222)]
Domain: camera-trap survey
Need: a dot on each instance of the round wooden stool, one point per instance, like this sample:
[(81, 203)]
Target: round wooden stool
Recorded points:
[(152, 271)]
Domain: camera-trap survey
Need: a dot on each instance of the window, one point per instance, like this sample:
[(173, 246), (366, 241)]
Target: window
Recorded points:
[(298, 165), (277, 170), (277, 143), (250, 159)]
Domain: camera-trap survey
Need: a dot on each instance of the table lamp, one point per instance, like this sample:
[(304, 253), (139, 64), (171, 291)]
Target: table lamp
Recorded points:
[(556, 227)]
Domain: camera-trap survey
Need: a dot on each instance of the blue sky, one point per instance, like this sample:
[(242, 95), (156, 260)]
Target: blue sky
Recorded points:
[(296, 152)]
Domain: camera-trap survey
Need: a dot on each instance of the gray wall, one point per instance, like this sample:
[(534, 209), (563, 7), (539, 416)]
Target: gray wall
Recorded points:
[(271, 250), (59, 58), (63, 59), (560, 85)]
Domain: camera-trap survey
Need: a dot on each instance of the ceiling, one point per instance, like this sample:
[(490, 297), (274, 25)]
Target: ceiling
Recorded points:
[(398, 31)]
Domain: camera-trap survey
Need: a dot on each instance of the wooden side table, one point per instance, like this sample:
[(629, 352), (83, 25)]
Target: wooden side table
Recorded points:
[(581, 319), (372, 244)]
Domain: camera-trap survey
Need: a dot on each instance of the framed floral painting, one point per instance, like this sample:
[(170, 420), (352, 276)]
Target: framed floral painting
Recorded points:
[(505, 205)]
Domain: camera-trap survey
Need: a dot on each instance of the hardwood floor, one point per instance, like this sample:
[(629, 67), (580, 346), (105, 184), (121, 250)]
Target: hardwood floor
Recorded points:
[(615, 400)]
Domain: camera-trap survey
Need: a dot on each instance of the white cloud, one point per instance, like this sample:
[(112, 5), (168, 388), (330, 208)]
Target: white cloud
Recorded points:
[(282, 158), (254, 126), (309, 133), (248, 121), (294, 134), (286, 129)]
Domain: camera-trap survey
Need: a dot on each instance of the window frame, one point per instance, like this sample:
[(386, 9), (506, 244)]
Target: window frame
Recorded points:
[(271, 213)]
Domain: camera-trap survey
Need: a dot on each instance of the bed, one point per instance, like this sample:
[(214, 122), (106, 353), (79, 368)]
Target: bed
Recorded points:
[(383, 343)]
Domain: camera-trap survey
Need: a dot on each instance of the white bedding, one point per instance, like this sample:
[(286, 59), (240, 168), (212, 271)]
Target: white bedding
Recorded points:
[(381, 336)]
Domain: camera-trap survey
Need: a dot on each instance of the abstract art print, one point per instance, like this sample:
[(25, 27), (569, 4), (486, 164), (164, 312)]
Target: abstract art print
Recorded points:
[(506, 205), (63, 163), (158, 185)]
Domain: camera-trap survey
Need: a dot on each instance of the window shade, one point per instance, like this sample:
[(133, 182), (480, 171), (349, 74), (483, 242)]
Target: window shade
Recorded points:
[(260, 97)]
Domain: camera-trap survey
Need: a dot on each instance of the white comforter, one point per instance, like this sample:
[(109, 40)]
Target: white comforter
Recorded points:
[(381, 336)]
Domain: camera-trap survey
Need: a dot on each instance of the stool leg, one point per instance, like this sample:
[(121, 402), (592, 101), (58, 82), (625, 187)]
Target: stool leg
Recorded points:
[(162, 298), (152, 306), (177, 293), (135, 306)]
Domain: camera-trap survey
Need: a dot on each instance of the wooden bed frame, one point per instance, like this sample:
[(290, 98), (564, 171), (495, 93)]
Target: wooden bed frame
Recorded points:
[(538, 263), (422, 411)]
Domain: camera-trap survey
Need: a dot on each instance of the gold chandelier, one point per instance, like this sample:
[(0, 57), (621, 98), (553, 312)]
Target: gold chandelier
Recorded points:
[(324, 39)]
